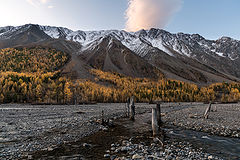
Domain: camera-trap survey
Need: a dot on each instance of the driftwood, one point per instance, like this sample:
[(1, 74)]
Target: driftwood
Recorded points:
[(155, 126), (132, 109), (156, 139), (208, 109)]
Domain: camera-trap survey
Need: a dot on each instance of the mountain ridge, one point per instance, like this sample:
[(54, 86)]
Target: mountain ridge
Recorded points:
[(71, 30)]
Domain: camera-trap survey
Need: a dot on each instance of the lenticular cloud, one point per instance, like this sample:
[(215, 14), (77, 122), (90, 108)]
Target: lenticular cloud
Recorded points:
[(145, 14)]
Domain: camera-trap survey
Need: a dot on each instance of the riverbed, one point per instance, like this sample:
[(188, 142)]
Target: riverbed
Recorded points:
[(73, 132)]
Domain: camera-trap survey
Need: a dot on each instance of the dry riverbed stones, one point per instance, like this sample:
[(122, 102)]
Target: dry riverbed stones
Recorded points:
[(127, 150)]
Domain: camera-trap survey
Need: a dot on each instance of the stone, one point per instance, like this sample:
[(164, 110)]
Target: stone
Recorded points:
[(106, 155), (113, 148), (210, 157), (125, 149), (136, 156), (113, 157), (192, 116), (86, 145), (153, 144), (132, 153), (105, 129), (99, 121), (30, 157), (112, 145), (116, 151), (124, 142)]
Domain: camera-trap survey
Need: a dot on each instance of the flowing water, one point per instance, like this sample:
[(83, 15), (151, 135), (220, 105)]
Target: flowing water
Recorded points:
[(225, 147)]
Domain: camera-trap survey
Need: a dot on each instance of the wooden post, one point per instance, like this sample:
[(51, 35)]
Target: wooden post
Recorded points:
[(132, 116), (61, 122), (75, 98), (128, 107), (159, 120), (207, 110), (155, 126), (132, 109), (102, 117)]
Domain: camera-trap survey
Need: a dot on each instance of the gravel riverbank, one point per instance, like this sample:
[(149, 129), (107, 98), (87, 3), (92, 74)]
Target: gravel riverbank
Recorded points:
[(28, 128), (62, 129), (224, 122)]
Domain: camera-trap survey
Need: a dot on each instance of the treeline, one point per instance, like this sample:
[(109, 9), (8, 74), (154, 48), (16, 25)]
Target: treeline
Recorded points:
[(32, 88), (32, 60), (146, 90), (107, 87), (114, 87), (222, 92)]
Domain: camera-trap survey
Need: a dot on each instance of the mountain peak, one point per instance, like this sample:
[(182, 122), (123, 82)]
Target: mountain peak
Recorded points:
[(225, 39)]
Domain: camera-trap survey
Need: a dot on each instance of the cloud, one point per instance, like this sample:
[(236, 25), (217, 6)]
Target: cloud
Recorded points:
[(50, 7), (146, 14), (32, 2), (37, 3), (44, 1)]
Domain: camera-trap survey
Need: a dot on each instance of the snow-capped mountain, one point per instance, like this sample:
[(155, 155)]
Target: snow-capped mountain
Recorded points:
[(140, 42), (159, 47)]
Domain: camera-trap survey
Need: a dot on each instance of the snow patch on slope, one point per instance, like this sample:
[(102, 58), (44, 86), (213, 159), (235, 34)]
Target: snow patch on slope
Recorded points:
[(160, 45), (56, 32)]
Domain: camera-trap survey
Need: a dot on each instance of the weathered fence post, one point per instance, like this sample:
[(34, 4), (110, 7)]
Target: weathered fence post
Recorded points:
[(155, 126), (102, 117), (75, 98), (207, 110), (128, 107), (159, 120), (61, 122), (132, 109)]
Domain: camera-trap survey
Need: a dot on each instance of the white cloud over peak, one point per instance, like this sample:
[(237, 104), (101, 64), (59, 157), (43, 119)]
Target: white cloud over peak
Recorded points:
[(145, 14)]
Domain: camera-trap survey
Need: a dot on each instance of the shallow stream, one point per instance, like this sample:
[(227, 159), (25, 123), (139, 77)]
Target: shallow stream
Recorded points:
[(225, 147)]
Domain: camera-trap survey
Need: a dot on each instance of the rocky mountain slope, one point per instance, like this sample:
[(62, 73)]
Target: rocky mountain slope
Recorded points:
[(145, 53)]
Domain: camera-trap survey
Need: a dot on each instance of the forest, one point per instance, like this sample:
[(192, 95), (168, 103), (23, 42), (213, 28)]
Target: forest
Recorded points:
[(34, 76), (32, 60)]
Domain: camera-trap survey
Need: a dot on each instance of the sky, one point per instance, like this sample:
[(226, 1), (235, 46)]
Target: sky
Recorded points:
[(209, 18)]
